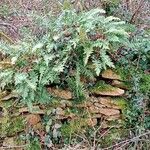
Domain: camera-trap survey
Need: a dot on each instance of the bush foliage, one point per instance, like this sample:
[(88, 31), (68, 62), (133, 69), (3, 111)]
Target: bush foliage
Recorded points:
[(74, 44)]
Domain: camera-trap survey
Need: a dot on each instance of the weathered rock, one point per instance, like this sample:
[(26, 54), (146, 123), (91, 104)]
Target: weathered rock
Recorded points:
[(97, 116), (63, 94), (60, 111), (35, 110), (108, 102), (94, 109), (10, 96), (5, 64), (109, 112), (24, 110), (110, 74), (99, 105), (3, 94), (9, 141), (64, 114), (110, 92), (87, 80), (84, 104), (104, 111), (33, 119), (88, 104), (65, 103), (93, 100), (91, 122), (119, 84), (101, 88), (111, 118), (116, 82), (38, 127)]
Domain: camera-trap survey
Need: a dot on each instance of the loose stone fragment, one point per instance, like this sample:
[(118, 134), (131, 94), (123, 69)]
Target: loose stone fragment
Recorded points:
[(101, 88), (35, 110), (60, 111), (99, 105), (9, 141), (119, 84), (113, 92), (110, 74), (97, 116), (104, 111), (64, 94), (109, 112), (33, 119), (108, 102), (9, 96), (91, 122), (111, 118)]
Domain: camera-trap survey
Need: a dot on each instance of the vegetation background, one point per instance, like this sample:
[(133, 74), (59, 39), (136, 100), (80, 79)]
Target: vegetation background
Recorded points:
[(28, 26)]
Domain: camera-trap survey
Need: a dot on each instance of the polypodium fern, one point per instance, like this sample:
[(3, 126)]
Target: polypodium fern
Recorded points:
[(74, 41)]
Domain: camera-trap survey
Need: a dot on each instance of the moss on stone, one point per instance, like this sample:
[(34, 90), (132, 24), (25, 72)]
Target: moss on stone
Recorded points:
[(73, 127), (10, 127), (55, 102), (124, 74), (121, 102), (102, 86)]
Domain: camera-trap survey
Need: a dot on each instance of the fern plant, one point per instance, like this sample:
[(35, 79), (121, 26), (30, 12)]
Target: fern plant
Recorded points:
[(75, 42)]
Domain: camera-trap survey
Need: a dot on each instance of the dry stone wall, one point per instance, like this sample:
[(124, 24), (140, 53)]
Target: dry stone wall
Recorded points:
[(104, 106), (104, 101)]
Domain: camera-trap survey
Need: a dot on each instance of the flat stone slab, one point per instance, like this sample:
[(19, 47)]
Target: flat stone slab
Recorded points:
[(104, 111), (110, 74), (63, 94), (108, 102), (35, 110), (102, 88), (110, 92), (119, 84)]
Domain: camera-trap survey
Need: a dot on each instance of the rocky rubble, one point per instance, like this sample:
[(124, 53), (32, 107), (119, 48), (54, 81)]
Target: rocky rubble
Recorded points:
[(104, 101), (103, 106)]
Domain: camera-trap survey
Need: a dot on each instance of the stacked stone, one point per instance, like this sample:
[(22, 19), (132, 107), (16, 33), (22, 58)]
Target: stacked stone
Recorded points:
[(102, 105)]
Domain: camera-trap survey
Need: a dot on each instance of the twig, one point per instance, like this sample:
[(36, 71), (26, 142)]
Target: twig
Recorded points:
[(8, 25), (84, 139), (127, 141), (137, 11), (6, 37), (127, 4)]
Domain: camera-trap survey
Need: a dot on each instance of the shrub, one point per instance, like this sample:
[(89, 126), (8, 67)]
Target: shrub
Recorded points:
[(75, 42)]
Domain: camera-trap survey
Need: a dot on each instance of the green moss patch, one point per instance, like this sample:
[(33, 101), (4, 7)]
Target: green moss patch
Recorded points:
[(145, 83), (121, 102), (10, 127), (102, 86), (73, 127)]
